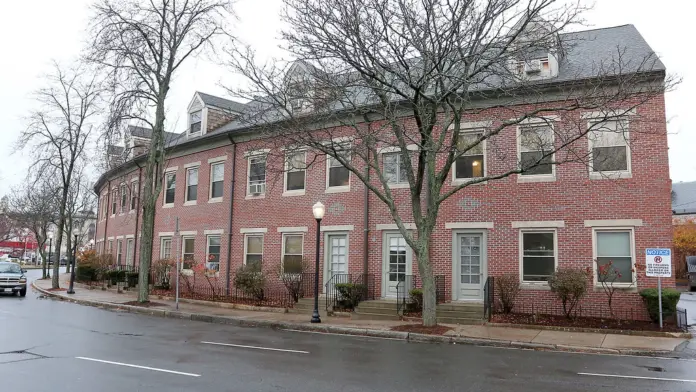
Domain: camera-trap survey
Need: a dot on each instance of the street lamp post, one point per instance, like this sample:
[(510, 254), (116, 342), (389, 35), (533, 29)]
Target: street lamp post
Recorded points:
[(318, 211), (74, 257), (48, 262)]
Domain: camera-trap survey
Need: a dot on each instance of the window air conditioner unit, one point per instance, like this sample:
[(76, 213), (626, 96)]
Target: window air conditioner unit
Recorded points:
[(533, 66), (257, 189)]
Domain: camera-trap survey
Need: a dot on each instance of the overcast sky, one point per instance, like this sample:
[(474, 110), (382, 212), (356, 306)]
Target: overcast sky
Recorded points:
[(33, 32)]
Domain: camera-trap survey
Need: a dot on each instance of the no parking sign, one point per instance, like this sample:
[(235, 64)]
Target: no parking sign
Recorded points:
[(658, 262)]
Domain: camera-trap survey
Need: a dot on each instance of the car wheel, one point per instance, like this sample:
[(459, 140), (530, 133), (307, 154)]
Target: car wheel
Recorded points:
[(23, 293)]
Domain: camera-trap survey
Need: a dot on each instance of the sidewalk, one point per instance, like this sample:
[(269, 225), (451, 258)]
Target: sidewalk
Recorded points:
[(461, 334)]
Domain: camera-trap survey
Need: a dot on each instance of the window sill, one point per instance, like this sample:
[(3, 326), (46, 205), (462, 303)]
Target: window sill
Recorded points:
[(614, 175), (254, 197), (131, 212), (538, 178), (400, 185), (196, 134), (294, 193), (535, 286), (168, 205), (338, 189), (215, 200), (462, 181), (113, 215), (191, 203)]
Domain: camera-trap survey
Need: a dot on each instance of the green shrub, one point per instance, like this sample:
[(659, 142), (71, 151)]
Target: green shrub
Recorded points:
[(251, 281), (569, 285), (132, 278), (85, 273), (416, 300), (116, 276), (350, 294), (670, 298)]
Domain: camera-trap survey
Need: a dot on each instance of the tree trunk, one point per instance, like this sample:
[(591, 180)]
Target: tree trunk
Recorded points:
[(68, 244), (428, 279), (55, 282)]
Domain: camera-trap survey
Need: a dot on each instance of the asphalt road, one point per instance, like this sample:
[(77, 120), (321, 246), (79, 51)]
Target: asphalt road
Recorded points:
[(47, 345)]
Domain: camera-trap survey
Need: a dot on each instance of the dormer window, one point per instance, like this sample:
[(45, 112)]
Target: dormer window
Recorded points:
[(540, 68), (195, 122)]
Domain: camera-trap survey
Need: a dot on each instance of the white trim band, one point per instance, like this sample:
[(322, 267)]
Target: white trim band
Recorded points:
[(110, 238), (190, 232), (302, 229), (613, 222), (192, 164), (393, 226), (166, 233), (129, 236), (253, 230), (171, 169), (338, 228), (469, 225), (216, 231), (388, 149), (252, 153), (537, 224)]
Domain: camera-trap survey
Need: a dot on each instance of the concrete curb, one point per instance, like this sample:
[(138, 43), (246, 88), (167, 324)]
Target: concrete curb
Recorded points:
[(655, 334), (349, 331)]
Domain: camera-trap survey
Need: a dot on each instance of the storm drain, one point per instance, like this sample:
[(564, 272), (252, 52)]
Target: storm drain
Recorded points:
[(654, 368)]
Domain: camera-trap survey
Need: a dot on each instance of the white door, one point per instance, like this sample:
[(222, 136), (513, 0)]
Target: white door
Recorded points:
[(397, 262), (470, 266), (336, 258)]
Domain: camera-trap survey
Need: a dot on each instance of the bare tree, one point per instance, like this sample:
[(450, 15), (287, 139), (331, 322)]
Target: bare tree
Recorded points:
[(81, 205), (406, 76), (61, 130), (141, 45), (8, 227), (34, 206)]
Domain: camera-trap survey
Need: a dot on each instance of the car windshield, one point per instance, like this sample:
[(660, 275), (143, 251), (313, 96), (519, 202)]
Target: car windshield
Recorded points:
[(11, 268)]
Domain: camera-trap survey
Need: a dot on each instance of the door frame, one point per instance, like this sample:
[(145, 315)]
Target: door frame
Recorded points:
[(456, 279), (385, 260), (327, 255)]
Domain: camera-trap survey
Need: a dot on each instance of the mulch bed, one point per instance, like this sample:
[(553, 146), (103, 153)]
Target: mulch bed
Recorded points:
[(149, 304), (582, 322), (417, 328)]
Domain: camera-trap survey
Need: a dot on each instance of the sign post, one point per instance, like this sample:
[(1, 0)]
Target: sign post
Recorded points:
[(658, 263)]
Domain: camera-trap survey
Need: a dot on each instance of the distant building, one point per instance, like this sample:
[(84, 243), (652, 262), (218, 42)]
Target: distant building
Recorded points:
[(683, 201)]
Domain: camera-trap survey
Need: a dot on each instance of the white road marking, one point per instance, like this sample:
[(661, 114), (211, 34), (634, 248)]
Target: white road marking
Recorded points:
[(139, 367), (340, 334), (636, 377), (257, 348)]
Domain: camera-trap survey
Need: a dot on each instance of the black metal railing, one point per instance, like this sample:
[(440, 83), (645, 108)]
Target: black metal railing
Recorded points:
[(682, 320), (488, 298), (346, 291), (306, 289)]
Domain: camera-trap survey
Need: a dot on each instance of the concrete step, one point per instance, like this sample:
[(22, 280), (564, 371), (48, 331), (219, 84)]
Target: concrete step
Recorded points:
[(374, 316), (462, 321), (478, 313), (379, 303), (377, 310), (458, 306)]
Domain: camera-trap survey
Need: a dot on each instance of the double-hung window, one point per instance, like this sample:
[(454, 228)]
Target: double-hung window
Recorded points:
[(192, 184), (119, 251), (614, 254), (170, 188), (114, 202), (166, 248), (253, 250), (292, 251), (135, 190), (129, 251), (124, 197), (217, 178), (471, 163), (213, 253), (195, 122), (257, 175), (338, 175), (610, 152), (538, 255), (394, 172), (295, 170), (187, 249), (536, 150)]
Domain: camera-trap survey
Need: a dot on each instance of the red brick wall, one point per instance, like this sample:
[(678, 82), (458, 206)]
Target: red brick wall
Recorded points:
[(572, 198)]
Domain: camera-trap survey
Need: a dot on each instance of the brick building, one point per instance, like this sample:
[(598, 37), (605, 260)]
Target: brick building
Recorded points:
[(233, 210)]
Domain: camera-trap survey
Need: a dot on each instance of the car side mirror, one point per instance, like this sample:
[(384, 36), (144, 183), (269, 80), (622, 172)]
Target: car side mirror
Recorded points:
[(24, 271)]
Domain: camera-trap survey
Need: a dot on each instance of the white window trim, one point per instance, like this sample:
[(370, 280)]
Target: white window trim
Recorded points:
[(251, 153), (219, 159), (204, 113), (537, 224), (214, 232), (119, 250), (166, 233), (111, 211), (613, 174), (336, 189), (130, 253), (212, 199), (394, 185), (207, 249), (135, 185), (192, 164), (164, 194), (246, 243), (614, 223), (188, 202), (295, 229), (123, 191), (162, 239), (535, 284), (453, 169), (393, 226), (295, 192), (189, 233), (536, 177), (632, 235), (253, 230), (282, 249), (184, 237), (248, 176), (388, 149), (338, 228), (469, 225), (171, 169)]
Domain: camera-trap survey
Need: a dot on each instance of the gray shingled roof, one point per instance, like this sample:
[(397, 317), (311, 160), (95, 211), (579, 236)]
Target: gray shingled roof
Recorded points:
[(114, 150), (146, 133), (684, 198), (221, 103)]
